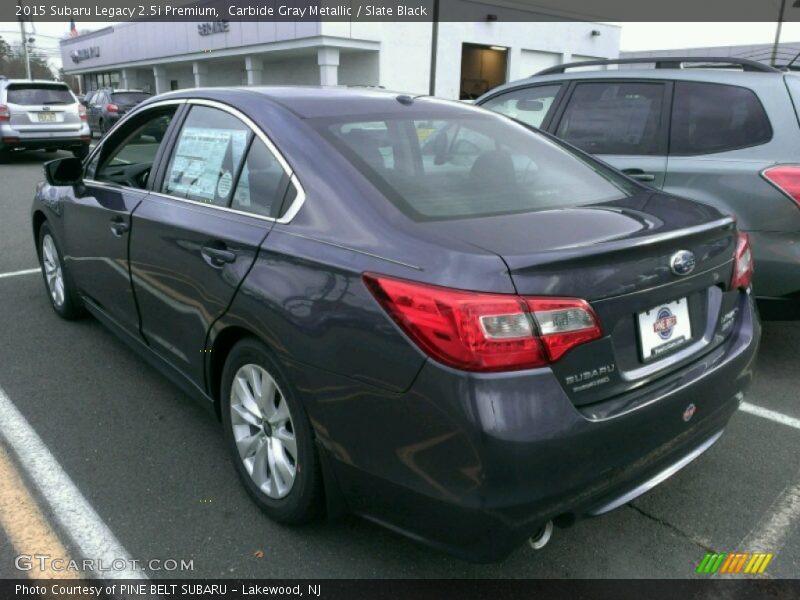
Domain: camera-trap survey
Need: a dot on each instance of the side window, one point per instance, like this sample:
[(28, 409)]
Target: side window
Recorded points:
[(127, 157), (529, 105), (710, 117), (207, 156), (262, 182), (614, 118)]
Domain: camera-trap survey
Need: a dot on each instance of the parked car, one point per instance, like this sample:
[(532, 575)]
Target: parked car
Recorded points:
[(465, 340), (41, 115), (727, 136), (106, 106)]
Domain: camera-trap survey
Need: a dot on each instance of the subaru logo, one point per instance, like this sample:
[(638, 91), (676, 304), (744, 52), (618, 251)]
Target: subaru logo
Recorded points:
[(682, 262), (688, 413)]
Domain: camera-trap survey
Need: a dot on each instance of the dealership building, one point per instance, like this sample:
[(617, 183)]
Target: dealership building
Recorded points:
[(469, 57)]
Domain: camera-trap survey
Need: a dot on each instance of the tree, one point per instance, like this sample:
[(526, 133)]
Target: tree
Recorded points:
[(12, 63)]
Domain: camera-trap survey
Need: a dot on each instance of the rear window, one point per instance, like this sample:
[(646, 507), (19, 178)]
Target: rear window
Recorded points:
[(39, 93), (471, 165), (712, 117), (129, 97)]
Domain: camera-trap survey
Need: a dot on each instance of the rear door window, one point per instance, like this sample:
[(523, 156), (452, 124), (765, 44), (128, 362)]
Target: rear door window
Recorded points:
[(261, 184), (530, 105), (208, 154), (711, 117), (623, 118), (39, 93)]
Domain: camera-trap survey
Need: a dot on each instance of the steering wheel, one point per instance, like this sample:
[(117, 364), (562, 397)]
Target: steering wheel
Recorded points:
[(136, 175)]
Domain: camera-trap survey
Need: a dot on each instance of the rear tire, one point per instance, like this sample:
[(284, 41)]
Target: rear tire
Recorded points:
[(5, 155), (60, 290), (269, 435)]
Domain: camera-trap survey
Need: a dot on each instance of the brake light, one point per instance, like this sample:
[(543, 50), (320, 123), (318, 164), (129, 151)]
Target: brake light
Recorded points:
[(112, 108), (82, 112), (476, 331), (5, 113), (742, 263), (786, 178)]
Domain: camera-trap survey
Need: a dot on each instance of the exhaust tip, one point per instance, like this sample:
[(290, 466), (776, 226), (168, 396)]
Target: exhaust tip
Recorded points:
[(540, 538)]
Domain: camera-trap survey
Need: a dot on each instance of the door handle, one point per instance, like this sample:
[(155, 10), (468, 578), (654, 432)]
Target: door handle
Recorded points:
[(217, 257), (119, 227), (639, 175)]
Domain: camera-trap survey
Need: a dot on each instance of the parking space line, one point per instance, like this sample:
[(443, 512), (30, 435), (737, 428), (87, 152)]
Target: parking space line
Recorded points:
[(777, 524), (772, 415), (18, 273), (75, 515), (27, 528)]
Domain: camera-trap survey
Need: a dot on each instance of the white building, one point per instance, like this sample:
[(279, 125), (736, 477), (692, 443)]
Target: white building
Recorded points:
[(470, 57)]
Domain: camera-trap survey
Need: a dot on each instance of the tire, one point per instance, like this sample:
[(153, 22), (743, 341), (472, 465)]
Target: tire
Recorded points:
[(81, 152), (63, 297), (103, 129), (249, 364), (5, 156)]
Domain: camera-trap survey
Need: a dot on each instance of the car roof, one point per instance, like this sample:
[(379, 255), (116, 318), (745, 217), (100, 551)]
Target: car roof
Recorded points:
[(317, 101), (728, 76), (36, 81)]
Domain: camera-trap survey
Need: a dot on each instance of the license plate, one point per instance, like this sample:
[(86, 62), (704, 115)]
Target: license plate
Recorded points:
[(664, 328), (47, 117)]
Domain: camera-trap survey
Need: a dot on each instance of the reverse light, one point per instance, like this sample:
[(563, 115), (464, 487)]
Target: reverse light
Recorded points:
[(112, 108), (82, 112), (742, 263), (5, 113), (476, 331), (786, 178)]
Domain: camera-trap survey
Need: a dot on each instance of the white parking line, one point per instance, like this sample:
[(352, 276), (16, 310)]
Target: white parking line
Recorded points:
[(772, 415), (18, 273), (777, 524), (71, 509)]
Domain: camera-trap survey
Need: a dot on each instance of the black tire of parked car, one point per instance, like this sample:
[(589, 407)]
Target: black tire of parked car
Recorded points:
[(72, 307), (304, 502)]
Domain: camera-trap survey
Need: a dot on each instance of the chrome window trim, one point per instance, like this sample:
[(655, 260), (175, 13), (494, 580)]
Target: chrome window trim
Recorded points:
[(290, 212)]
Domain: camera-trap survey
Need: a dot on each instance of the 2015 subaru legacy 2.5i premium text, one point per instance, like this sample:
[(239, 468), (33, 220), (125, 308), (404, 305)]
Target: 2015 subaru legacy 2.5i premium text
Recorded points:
[(413, 309)]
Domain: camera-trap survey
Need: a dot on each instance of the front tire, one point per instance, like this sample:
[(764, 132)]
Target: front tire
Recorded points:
[(269, 435), (63, 297)]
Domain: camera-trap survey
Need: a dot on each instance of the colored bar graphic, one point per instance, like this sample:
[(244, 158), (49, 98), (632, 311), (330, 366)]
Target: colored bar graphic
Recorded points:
[(734, 563)]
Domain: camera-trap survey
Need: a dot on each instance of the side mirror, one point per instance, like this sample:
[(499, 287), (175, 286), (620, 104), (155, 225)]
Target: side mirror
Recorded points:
[(64, 171), (529, 105), (84, 102)]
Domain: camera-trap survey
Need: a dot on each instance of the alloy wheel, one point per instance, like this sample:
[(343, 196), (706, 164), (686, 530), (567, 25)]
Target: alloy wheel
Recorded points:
[(52, 270), (263, 431)]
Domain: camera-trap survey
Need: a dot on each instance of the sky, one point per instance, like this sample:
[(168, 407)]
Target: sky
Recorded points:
[(635, 36)]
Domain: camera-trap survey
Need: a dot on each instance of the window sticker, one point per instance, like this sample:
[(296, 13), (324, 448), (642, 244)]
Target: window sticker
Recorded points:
[(198, 166)]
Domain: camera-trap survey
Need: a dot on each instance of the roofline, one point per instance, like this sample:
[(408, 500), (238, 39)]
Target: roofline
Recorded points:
[(663, 62)]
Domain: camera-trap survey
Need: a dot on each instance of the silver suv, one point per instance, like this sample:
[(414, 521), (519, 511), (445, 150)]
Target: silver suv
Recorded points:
[(41, 115), (724, 131)]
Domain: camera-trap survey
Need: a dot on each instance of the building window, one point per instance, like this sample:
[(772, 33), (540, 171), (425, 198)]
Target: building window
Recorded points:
[(482, 68)]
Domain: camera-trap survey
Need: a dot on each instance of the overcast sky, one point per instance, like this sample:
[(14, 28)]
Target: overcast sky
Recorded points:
[(635, 36)]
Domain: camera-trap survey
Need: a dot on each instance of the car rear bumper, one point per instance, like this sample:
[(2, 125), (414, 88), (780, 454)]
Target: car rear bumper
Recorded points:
[(777, 264), (31, 139), (475, 464)]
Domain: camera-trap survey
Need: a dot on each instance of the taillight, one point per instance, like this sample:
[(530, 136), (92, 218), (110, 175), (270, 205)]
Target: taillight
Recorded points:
[(82, 112), (5, 113), (476, 331), (112, 108), (742, 262), (786, 178)]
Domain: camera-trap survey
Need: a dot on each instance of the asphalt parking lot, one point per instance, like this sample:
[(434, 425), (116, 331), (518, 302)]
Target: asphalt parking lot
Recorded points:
[(152, 465)]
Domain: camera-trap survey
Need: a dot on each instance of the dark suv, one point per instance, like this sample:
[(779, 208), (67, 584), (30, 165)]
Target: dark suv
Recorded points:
[(727, 136), (105, 107)]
